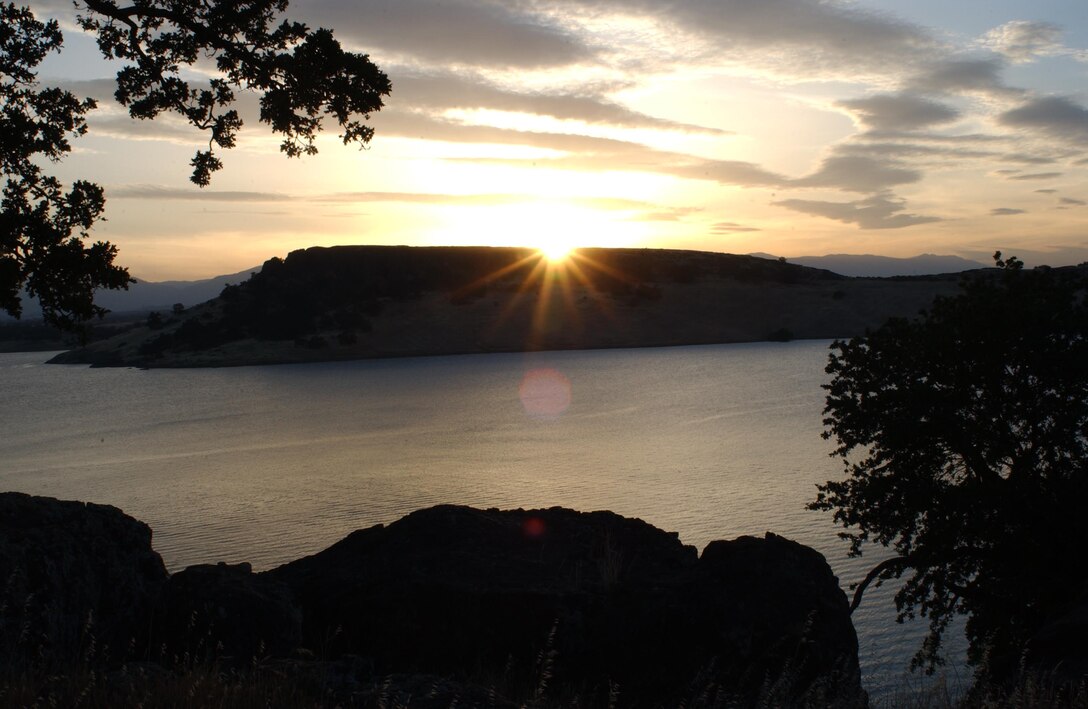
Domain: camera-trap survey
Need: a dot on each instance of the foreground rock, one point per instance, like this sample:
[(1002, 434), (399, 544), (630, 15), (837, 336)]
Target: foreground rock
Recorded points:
[(594, 601), (78, 582), (473, 606)]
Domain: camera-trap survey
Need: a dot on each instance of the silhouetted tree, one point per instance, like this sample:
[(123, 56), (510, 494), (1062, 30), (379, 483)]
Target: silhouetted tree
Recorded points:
[(964, 434), (302, 75)]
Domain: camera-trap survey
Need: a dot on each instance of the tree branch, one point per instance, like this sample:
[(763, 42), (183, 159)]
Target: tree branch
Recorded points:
[(892, 563)]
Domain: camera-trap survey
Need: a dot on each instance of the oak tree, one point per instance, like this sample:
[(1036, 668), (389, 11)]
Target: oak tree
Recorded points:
[(304, 79), (964, 436)]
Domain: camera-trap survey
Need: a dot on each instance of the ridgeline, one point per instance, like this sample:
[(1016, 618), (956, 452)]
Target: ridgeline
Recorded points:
[(355, 302)]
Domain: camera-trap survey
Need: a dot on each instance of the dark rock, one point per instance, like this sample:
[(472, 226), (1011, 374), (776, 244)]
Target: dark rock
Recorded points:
[(78, 582), (592, 602), (449, 605), (226, 612)]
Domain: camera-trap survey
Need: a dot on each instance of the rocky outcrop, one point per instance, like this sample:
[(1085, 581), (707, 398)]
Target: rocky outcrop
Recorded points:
[(78, 581), (590, 601), (448, 604), (226, 612)]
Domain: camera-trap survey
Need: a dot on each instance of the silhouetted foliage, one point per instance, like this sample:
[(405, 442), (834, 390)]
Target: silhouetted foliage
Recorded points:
[(965, 436), (43, 225), (302, 75)]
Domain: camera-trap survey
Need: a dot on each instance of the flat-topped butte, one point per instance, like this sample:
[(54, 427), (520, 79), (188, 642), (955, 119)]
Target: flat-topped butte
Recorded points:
[(354, 302)]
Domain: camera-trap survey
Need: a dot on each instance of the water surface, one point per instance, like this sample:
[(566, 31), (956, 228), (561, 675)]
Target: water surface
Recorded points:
[(266, 464)]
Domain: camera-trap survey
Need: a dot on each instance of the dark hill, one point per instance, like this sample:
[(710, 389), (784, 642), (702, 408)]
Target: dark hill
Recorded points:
[(373, 301)]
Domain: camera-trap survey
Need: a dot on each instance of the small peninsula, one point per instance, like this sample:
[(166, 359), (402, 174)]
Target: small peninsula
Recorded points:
[(356, 302)]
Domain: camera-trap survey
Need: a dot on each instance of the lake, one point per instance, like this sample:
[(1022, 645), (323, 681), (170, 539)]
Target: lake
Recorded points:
[(266, 464)]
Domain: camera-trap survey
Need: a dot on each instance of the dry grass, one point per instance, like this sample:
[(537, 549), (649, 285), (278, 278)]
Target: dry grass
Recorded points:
[(196, 679)]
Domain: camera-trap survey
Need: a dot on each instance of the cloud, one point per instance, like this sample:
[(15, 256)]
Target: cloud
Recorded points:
[(910, 150), (407, 124), (963, 75), (582, 152), (669, 214), (1037, 176), (1058, 117), (876, 212), (603, 203), (418, 198), (646, 211), (1028, 159), (1023, 41), (469, 32), (731, 228), (858, 174), (731, 172), (446, 90), (800, 35), (194, 193), (898, 112), (1046, 191), (855, 173), (1073, 202), (940, 138), (1005, 212)]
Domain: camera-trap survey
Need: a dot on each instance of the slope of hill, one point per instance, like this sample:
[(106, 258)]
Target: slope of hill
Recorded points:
[(372, 301), (127, 308), (872, 266), (161, 295)]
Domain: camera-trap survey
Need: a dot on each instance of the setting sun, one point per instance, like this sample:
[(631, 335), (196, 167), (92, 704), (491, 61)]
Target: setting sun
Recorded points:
[(556, 252)]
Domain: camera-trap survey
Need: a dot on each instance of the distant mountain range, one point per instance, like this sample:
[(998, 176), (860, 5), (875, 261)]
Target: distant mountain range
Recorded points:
[(145, 296), (871, 266)]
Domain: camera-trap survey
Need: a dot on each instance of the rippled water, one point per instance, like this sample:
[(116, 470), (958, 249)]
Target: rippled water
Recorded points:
[(265, 464)]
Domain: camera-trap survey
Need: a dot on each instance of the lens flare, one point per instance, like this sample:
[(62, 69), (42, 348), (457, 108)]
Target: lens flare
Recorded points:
[(545, 393), (533, 527)]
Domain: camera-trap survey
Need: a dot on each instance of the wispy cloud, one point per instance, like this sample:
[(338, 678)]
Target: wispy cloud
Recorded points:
[(859, 174), (1024, 41), (899, 112), (731, 228), (451, 32), (157, 192), (956, 75), (877, 212), (1037, 176), (1057, 117), (443, 90), (1005, 212)]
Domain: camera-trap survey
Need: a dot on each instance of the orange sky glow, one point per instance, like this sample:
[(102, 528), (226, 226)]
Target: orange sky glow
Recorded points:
[(790, 127)]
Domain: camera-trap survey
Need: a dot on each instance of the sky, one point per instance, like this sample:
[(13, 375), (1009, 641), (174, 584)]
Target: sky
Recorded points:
[(789, 127)]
